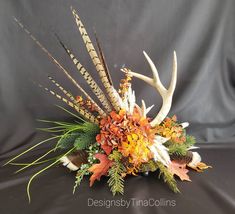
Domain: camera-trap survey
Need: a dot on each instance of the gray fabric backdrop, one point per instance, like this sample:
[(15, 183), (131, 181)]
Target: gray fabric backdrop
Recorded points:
[(201, 31)]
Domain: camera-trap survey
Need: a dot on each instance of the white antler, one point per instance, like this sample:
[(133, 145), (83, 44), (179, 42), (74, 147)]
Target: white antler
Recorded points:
[(166, 94)]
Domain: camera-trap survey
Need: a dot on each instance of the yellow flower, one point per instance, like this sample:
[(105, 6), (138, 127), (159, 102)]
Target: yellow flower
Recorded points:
[(170, 129)]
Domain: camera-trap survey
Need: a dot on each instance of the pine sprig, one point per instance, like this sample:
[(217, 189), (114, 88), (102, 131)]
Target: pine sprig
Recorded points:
[(78, 134), (83, 141), (67, 140), (87, 137), (80, 174), (190, 140), (91, 128), (168, 177), (115, 156), (116, 181), (150, 166), (181, 149)]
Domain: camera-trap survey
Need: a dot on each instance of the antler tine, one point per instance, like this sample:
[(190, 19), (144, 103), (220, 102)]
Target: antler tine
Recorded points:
[(155, 82), (166, 94), (174, 74)]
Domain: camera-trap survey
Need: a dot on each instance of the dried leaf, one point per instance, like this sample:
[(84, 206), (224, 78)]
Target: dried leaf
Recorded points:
[(200, 167), (101, 168), (180, 170)]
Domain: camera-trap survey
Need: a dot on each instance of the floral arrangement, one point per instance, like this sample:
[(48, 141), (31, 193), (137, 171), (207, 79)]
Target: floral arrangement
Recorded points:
[(115, 137)]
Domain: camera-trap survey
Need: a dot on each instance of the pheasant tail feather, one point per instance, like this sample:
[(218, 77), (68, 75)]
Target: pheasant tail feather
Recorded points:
[(91, 82), (100, 111), (96, 61), (102, 58), (64, 91), (81, 111)]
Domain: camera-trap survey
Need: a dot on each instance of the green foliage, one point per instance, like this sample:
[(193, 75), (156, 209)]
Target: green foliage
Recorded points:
[(80, 135), (80, 174), (190, 140), (92, 150), (87, 137), (67, 140), (44, 169), (150, 166), (164, 172), (71, 113), (91, 128), (83, 141), (115, 156), (116, 181), (31, 148), (181, 149), (167, 177)]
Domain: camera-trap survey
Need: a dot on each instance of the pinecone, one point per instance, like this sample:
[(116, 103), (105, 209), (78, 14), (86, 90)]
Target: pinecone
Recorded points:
[(183, 159)]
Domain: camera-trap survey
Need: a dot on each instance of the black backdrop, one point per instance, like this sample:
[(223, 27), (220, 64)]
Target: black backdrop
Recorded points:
[(201, 31)]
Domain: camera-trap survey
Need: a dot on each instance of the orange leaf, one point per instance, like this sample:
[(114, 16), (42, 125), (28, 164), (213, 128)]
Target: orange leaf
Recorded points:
[(101, 168), (180, 170), (106, 148)]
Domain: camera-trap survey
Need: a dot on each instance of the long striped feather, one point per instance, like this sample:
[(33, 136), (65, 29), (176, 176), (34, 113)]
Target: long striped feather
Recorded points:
[(96, 61), (81, 111), (64, 91), (86, 75), (70, 96), (100, 111), (102, 58)]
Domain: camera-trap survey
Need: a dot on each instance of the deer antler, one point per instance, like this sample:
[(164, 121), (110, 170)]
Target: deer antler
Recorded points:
[(166, 94)]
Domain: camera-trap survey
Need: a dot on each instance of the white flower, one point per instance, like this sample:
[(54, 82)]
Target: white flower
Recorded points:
[(115, 93), (130, 99), (128, 103), (160, 152)]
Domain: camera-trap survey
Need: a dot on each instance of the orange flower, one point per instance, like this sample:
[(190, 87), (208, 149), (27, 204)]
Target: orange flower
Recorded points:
[(171, 129), (86, 104), (129, 134)]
